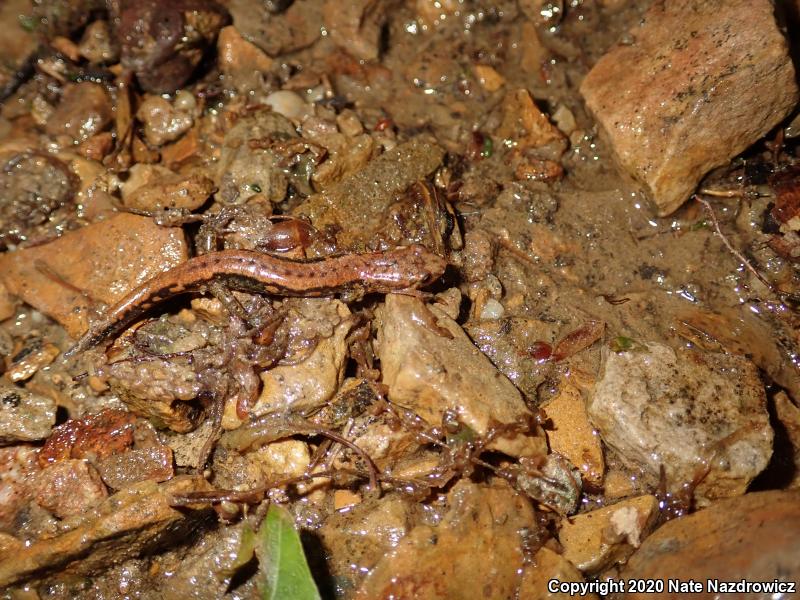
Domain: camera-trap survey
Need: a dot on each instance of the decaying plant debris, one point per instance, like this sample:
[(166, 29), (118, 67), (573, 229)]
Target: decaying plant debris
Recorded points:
[(379, 287)]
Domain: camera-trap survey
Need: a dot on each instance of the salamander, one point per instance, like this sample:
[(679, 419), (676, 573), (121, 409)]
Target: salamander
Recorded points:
[(401, 269)]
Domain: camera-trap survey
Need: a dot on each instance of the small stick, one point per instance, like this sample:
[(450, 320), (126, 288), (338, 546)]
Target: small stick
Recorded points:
[(748, 265), (722, 193)]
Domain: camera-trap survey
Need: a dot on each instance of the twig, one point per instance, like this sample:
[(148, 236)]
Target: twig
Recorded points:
[(722, 193), (251, 496), (748, 265)]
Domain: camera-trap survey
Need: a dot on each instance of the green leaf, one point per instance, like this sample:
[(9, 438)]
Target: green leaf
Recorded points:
[(282, 562)]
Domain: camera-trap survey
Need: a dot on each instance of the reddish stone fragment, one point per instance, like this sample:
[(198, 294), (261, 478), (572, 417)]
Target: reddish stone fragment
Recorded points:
[(95, 436), (694, 85)]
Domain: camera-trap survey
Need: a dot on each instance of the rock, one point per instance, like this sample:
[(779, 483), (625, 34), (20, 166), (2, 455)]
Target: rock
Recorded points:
[(212, 562), (66, 47), (84, 110), (356, 26), (247, 165), (299, 26), (434, 13), (345, 499), (159, 390), (97, 44), (25, 363), (430, 562), (102, 261), (356, 203), (789, 416), (162, 121), (618, 484), (18, 468), (533, 54), (63, 17), (547, 566), (700, 416), (69, 487), (8, 303), (753, 537), (97, 147), (17, 44), (346, 156), (33, 186), (711, 78), (598, 539), (133, 466), (308, 384), (243, 64), (289, 104), (131, 521), (164, 190), (163, 41), (526, 125), (430, 366), (490, 79), (389, 446), (95, 437), (572, 434), (269, 462), (741, 332), (187, 448), (368, 531), (24, 416)]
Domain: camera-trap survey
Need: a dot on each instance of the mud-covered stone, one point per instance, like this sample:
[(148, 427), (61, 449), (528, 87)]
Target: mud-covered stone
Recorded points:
[(701, 416), (433, 562), (598, 539), (126, 524), (84, 110), (142, 464), (24, 416), (69, 487)]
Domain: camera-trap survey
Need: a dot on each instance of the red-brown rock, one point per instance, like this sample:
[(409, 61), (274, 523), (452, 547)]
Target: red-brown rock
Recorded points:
[(753, 537), (95, 437), (102, 261), (696, 84)]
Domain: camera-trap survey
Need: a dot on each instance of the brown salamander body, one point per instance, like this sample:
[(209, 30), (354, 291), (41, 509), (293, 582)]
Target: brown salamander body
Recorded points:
[(381, 272)]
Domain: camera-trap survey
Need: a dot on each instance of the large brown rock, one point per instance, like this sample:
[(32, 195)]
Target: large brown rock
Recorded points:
[(100, 262), (753, 537), (133, 521), (694, 85), (476, 551)]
